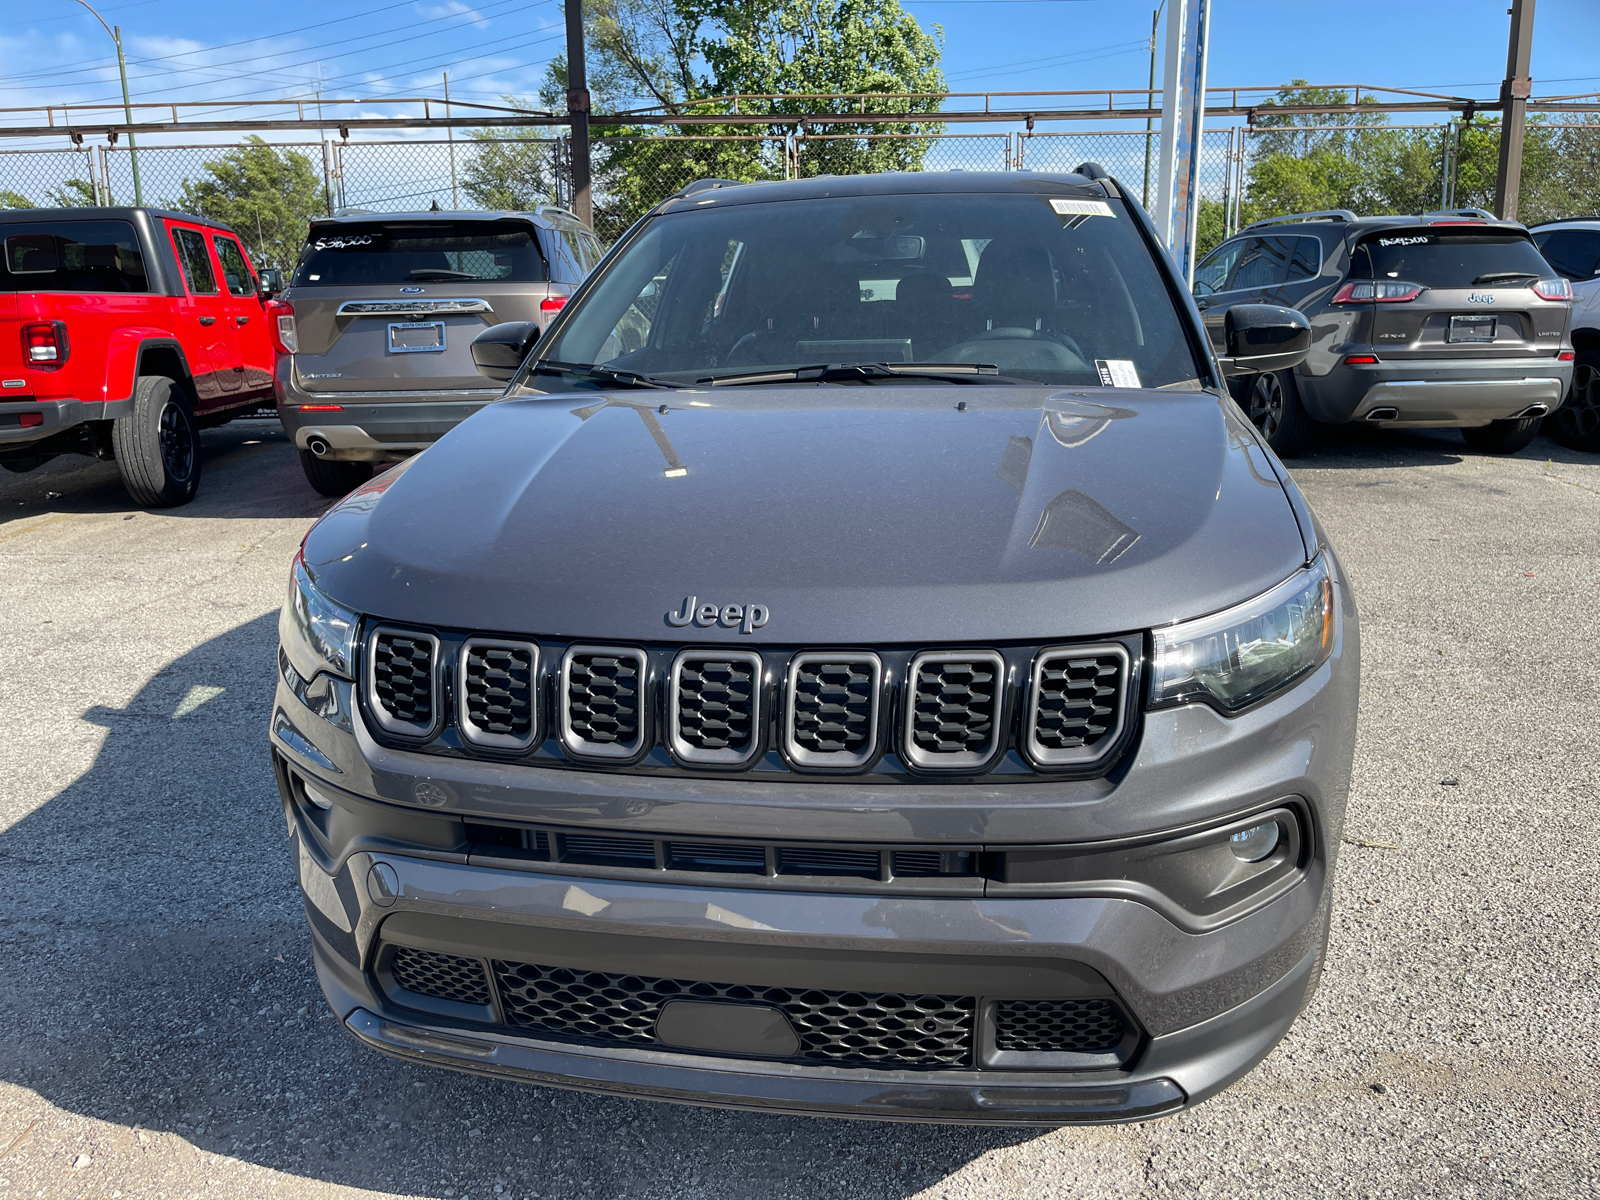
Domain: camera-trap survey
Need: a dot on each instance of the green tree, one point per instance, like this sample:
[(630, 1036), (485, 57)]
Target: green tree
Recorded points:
[(10, 199), (73, 193), (266, 194)]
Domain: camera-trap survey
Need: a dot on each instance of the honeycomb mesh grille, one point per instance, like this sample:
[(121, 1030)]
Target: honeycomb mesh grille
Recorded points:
[(442, 976), (497, 686), (833, 705), (853, 1028), (604, 698), (1059, 1025), (717, 703), (402, 676), (954, 706), (1078, 700)]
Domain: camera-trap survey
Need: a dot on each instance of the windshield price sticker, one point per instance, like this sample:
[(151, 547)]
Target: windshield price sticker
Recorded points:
[(1082, 208), (1117, 372)]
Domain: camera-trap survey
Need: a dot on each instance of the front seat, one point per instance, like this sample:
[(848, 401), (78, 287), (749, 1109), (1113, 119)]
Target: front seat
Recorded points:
[(1014, 298)]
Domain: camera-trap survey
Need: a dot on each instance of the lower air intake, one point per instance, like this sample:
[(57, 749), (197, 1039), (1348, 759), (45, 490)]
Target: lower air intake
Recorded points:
[(844, 1028), (442, 976), (1082, 1026)]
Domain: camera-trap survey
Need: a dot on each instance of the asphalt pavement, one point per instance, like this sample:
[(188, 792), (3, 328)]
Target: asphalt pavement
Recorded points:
[(164, 1035)]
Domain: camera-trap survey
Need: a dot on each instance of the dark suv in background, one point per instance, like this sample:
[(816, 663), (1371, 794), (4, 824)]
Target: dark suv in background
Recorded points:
[(374, 329), (1443, 319)]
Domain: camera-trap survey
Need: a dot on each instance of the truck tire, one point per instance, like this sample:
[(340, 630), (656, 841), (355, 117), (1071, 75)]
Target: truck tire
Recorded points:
[(157, 446), (1272, 402), (332, 477), (1503, 437), (1577, 422)]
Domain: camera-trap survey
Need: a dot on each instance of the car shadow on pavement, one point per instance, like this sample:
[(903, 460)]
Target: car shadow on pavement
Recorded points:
[(72, 483), (160, 976), (1366, 447)]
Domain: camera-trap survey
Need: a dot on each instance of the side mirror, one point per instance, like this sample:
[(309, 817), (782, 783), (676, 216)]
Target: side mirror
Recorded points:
[(270, 280), (498, 351), (1264, 337)]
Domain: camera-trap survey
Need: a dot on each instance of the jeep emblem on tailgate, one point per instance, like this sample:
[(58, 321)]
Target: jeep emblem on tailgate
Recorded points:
[(1480, 298), (748, 617)]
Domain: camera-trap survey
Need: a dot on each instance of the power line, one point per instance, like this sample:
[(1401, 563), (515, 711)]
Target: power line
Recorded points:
[(1086, 55)]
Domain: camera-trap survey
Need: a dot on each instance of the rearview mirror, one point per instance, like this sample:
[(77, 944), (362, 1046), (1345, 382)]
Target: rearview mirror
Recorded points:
[(498, 351), (1264, 337)]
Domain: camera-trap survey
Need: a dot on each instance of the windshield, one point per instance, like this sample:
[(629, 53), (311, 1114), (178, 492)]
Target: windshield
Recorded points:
[(359, 255), (1447, 260), (1042, 289)]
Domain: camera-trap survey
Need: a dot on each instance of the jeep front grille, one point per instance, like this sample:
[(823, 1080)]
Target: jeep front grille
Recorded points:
[(954, 708), (499, 683), (715, 707), (402, 680), (832, 711), (602, 701), (1076, 702)]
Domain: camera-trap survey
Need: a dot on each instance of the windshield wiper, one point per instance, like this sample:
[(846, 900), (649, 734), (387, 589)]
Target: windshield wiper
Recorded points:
[(441, 273), (605, 375), (1504, 277), (857, 372)]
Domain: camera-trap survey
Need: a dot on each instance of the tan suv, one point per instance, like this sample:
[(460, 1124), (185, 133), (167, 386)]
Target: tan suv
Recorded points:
[(374, 331)]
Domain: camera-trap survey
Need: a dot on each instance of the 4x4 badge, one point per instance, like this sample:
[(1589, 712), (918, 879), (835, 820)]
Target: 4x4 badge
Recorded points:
[(747, 617)]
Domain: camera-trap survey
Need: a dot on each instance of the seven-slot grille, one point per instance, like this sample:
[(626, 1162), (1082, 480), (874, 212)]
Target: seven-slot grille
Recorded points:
[(498, 686), (833, 709), (1076, 703), (715, 703), (402, 680), (954, 711), (954, 702), (602, 701)]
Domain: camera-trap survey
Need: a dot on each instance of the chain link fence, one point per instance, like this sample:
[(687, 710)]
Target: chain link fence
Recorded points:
[(1246, 172)]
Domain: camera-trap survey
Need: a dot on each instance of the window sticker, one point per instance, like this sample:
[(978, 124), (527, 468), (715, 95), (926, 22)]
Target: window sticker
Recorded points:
[(1117, 372), (1082, 208)]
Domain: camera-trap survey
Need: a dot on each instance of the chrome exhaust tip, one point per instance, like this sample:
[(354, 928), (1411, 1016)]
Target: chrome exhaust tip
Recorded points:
[(318, 446), (1383, 414), (1533, 410)]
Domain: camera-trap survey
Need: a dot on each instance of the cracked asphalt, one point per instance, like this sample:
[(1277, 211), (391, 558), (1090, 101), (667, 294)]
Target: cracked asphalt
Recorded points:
[(164, 1035)]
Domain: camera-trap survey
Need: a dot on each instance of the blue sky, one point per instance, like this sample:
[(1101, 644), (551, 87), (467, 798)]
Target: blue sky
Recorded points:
[(207, 51)]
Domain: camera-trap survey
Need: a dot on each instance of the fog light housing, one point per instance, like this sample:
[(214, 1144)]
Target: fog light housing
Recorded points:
[(1257, 842)]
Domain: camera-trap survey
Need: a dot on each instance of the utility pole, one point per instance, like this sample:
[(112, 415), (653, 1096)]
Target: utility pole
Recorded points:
[(1150, 99), (450, 132), (1514, 93), (1167, 167), (127, 106), (578, 111)]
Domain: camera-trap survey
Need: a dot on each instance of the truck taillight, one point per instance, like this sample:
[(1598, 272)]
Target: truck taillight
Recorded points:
[(551, 306), (1553, 289), (44, 343), (1384, 291), (280, 324)]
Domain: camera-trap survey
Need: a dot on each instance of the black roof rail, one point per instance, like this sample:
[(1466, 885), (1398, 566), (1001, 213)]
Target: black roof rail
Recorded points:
[(703, 185), (1322, 214), (1091, 170), (1479, 213)]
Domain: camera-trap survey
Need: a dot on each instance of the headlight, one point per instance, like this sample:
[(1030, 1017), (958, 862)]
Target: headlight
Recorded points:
[(1233, 659), (316, 633)]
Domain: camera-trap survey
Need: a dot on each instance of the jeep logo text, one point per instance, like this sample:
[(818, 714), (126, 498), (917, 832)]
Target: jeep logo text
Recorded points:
[(747, 617)]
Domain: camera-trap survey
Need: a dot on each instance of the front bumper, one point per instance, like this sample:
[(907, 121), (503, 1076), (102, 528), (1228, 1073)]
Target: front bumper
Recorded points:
[(372, 426), (1436, 392)]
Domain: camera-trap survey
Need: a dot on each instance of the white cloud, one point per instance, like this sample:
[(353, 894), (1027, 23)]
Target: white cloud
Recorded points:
[(454, 8)]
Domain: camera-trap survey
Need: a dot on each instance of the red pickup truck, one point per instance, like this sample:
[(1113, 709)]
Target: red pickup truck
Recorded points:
[(123, 331)]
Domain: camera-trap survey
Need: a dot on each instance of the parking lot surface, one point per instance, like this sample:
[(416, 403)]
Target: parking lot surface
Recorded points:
[(165, 1037)]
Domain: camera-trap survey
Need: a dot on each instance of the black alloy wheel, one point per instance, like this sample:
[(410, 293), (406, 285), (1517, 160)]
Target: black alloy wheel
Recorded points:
[(1272, 402), (1577, 421), (177, 437)]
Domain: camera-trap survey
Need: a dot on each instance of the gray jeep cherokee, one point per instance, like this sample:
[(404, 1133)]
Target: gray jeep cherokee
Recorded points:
[(1445, 319), (373, 333), (867, 665)]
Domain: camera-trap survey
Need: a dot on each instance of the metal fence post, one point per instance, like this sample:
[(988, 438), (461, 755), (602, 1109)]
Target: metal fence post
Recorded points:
[(105, 175)]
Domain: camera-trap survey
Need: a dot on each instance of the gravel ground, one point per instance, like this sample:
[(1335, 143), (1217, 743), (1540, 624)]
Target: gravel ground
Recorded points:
[(164, 1035)]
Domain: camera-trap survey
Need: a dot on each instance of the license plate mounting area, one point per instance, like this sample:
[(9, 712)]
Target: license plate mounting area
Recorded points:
[(416, 337), (1472, 328)]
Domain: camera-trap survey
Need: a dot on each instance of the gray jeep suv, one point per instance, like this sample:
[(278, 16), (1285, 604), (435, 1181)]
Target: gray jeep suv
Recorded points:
[(866, 665), (374, 329), (1444, 319)]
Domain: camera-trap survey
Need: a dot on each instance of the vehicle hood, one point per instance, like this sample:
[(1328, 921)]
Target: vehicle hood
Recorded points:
[(858, 514)]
